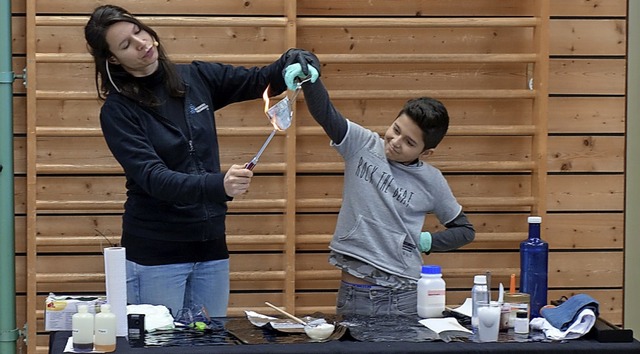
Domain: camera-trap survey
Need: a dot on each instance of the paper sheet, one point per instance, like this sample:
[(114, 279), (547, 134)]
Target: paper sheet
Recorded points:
[(465, 308), (283, 325), (116, 284), (439, 325)]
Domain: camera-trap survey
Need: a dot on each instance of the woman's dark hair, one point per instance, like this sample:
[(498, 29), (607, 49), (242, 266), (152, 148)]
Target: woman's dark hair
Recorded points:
[(431, 116), (121, 81)]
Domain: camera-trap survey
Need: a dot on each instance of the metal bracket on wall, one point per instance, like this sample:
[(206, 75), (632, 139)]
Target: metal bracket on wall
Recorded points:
[(23, 77), (25, 333)]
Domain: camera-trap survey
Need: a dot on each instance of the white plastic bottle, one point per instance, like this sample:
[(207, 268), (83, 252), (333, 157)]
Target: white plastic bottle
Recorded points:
[(431, 292), (479, 293), (521, 323), (82, 329), (105, 329)]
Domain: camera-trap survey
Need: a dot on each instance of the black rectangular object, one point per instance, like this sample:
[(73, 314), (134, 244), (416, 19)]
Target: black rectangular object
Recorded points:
[(135, 324), (606, 332)]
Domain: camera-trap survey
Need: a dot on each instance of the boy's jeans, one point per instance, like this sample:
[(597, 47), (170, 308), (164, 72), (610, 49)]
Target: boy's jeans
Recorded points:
[(376, 300), (181, 285)]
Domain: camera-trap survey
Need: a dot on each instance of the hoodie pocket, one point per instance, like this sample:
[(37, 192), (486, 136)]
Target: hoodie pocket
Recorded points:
[(381, 246)]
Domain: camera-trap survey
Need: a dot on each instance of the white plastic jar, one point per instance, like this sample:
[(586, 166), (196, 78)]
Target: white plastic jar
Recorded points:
[(431, 292)]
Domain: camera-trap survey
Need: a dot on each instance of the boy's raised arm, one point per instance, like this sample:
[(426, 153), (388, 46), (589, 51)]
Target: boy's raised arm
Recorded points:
[(324, 112)]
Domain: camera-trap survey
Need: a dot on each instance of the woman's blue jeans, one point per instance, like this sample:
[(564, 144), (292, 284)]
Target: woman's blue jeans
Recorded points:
[(181, 285)]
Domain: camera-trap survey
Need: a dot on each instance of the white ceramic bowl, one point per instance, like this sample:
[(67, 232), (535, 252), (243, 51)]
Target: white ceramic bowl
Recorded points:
[(319, 332)]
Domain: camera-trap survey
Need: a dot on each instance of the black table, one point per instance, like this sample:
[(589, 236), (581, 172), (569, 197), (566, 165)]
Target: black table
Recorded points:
[(59, 339)]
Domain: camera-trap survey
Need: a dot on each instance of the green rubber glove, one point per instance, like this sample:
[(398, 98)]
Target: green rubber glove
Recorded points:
[(425, 241), (294, 71)]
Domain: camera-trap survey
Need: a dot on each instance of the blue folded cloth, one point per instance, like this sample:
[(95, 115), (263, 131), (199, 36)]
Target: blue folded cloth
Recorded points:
[(565, 314)]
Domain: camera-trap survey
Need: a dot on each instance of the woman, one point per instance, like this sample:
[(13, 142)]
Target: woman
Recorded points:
[(158, 121)]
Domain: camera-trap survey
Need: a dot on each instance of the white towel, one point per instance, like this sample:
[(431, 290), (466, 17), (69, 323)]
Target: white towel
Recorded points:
[(156, 317), (586, 319)]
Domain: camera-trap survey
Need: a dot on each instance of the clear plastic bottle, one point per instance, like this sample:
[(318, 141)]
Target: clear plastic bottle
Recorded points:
[(479, 293), (82, 329), (534, 267), (431, 292), (105, 329)]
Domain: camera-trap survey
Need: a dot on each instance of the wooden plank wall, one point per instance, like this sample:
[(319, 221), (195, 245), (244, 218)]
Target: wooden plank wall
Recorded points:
[(69, 189)]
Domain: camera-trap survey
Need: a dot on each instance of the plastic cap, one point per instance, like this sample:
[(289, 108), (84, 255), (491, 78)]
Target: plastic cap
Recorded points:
[(83, 308), (521, 314), (534, 220), (105, 308), (431, 269), (480, 279)]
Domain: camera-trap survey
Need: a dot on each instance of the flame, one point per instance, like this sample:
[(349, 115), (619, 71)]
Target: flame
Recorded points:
[(272, 119), (265, 97)]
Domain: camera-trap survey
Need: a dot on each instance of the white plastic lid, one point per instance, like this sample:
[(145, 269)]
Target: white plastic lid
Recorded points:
[(105, 308), (82, 308), (534, 220), (480, 279)]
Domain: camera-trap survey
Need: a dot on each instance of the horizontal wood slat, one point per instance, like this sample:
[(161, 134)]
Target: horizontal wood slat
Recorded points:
[(324, 8), (267, 7), (184, 21), (381, 22), (467, 130), (457, 166), (324, 58), (416, 8), (587, 76), (351, 94), (331, 203), (588, 37), (303, 167), (581, 8)]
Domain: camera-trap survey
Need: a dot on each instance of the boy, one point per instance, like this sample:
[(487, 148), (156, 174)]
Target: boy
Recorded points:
[(387, 192)]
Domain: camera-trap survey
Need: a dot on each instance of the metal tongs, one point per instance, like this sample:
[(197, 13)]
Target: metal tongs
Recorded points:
[(280, 115)]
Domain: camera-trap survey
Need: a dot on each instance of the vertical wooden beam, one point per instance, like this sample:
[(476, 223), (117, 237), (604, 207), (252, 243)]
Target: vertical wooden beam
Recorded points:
[(290, 176), (31, 176), (540, 108)]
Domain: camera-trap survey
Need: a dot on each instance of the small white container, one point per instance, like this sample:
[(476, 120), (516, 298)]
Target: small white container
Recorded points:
[(319, 332), (521, 323), (431, 292)]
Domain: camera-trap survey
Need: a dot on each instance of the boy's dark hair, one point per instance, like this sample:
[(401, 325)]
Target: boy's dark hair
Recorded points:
[(431, 116)]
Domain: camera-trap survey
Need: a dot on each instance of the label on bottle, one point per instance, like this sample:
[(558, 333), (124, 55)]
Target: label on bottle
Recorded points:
[(431, 297), (521, 326), (436, 292)]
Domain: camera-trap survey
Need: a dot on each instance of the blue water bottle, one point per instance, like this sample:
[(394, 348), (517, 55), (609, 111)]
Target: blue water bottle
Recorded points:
[(534, 267)]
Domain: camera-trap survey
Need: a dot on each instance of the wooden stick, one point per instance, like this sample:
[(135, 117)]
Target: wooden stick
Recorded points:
[(285, 313)]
